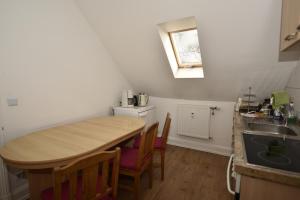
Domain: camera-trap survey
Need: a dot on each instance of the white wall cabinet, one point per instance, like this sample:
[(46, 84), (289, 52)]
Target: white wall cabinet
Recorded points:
[(290, 25)]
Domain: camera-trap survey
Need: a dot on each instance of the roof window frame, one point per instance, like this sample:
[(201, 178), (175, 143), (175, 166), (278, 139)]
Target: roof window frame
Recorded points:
[(180, 65)]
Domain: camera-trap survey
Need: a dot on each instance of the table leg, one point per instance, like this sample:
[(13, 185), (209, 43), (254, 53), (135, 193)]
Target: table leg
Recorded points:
[(38, 181)]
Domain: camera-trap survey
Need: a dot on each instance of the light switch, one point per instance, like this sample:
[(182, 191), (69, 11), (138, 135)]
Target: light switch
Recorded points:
[(12, 101)]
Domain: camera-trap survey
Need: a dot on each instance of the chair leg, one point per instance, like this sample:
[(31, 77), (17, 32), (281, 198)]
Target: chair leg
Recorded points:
[(150, 174), (137, 182), (162, 164)]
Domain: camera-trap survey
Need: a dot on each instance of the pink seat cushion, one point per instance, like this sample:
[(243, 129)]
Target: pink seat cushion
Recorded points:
[(158, 144), (137, 141), (129, 158), (48, 194)]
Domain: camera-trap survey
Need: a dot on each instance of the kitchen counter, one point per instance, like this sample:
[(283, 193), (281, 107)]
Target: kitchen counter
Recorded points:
[(242, 167)]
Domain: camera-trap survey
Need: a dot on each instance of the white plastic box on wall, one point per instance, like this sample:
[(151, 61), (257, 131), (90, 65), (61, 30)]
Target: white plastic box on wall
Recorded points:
[(193, 121)]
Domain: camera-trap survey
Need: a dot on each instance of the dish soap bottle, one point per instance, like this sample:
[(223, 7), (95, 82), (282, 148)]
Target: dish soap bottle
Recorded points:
[(291, 113)]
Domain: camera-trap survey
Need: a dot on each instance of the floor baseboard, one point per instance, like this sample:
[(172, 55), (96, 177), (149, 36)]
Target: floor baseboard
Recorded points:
[(210, 148)]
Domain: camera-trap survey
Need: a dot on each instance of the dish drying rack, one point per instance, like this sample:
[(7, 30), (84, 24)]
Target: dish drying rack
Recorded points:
[(250, 98)]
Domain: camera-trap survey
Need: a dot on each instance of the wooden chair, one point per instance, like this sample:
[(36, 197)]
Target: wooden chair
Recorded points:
[(134, 161), (81, 179), (160, 144)]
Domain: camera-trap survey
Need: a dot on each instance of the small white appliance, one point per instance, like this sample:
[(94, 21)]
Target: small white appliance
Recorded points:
[(147, 113), (142, 99), (127, 99)]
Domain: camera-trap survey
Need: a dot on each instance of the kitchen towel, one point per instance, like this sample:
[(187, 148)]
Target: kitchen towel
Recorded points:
[(280, 98)]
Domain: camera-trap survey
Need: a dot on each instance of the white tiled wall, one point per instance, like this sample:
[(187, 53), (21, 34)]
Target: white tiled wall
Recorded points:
[(293, 88), (220, 130)]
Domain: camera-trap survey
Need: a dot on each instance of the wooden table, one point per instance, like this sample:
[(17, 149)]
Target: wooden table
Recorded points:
[(39, 152)]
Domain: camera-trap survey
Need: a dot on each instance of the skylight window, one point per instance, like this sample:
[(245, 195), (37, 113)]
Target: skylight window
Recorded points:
[(180, 41), (186, 48)]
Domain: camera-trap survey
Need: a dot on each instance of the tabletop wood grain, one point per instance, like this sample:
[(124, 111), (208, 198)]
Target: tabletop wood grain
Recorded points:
[(59, 145)]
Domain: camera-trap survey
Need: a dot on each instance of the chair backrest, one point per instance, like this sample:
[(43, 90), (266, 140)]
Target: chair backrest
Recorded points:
[(88, 167), (146, 146), (166, 130)]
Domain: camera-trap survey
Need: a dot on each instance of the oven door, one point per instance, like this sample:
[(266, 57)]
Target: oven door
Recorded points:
[(232, 174)]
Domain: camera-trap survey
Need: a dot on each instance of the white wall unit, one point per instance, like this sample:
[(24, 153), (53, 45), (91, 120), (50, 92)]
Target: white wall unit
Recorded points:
[(220, 124), (193, 120), (147, 113)]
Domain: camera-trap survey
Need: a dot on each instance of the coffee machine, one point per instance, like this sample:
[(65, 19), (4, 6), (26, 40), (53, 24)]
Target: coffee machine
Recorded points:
[(127, 99)]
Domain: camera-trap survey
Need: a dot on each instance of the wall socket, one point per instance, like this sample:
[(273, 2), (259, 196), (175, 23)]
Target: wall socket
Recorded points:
[(12, 101)]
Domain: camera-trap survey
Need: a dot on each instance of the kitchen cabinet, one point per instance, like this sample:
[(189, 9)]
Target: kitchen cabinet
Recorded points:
[(290, 25), (256, 182), (259, 189)]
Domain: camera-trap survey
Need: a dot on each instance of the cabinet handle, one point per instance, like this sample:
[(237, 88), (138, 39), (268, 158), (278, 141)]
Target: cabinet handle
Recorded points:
[(228, 175), (291, 36)]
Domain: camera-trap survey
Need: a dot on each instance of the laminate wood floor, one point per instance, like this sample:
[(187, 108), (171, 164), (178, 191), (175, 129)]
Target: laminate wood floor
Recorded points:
[(189, 175)]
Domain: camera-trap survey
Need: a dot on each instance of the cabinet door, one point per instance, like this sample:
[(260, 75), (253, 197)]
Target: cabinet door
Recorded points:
[(259, 189), (290, 23)]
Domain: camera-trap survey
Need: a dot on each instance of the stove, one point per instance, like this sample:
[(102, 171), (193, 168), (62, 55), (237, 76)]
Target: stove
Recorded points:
[(274, 152)]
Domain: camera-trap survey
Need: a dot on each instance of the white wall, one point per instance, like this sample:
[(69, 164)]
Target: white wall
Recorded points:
[(55, 64), (221, 125), (293, 87), (239, 41)]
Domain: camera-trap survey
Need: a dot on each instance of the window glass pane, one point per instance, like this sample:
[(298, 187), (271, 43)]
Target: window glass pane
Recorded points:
[(187, 47)]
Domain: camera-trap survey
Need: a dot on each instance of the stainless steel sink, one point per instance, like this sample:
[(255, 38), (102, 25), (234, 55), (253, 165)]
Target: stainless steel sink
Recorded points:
[(271, 128)]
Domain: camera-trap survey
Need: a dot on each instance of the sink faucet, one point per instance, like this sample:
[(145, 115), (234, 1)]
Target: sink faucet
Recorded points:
[(284, 115), (285, 120)]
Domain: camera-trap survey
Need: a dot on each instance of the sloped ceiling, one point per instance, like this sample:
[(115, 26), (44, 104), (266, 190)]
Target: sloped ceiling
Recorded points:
[(239, 41)]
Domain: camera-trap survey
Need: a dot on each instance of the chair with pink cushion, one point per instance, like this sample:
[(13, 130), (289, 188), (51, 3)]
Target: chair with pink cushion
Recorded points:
[(160, 144), (134, 161), (81, 180)]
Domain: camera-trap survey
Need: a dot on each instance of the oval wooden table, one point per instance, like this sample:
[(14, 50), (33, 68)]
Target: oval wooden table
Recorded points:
[(39, 152)]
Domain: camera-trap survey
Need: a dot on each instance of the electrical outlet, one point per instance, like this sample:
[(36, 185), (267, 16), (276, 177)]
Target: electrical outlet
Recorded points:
[(12, 101)]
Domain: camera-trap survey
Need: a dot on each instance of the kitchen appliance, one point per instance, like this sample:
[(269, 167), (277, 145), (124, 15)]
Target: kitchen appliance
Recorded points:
[(127, 99), (147, 113), (135, 100), (271, 151), (142, 99)]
